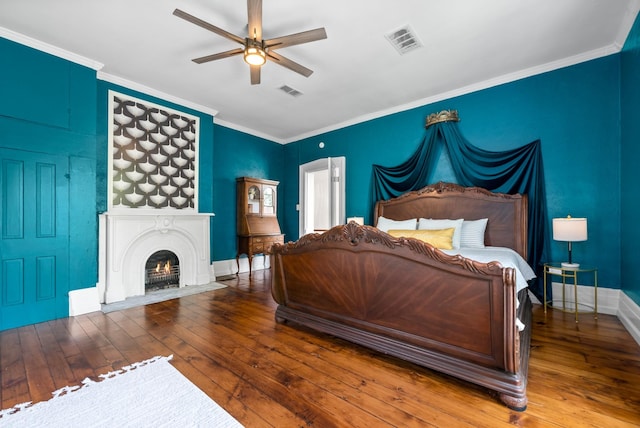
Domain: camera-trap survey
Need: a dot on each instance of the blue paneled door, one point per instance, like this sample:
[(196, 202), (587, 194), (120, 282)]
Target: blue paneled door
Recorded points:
[(34, 237)]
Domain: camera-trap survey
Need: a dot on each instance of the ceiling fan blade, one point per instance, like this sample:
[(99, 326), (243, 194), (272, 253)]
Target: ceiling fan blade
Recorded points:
[(296, 39), (220, 55), (199, 22), (255, 74), (291, 65), (254, 9)]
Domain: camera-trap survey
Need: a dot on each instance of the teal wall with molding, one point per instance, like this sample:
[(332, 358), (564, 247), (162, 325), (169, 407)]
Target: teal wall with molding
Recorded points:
[(574, 111), (48, 105), (584, 116), (630, 153)]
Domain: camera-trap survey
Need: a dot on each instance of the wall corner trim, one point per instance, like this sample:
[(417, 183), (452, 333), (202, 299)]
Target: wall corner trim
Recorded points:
[(629, 315)]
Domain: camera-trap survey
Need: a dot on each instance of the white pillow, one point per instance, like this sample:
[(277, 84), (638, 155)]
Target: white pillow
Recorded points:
[(386, 224), (472, 233), (434, 224)]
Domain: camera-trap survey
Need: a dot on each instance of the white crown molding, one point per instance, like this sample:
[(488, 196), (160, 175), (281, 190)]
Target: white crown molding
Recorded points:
[(249, 131), (500, 80), (95, 65), (632, 12), (50, 49), (154, 93), (627, 22)]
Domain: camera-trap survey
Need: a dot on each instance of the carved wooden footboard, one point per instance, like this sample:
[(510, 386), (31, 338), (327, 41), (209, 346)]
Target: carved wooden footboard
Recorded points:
[(407, 299)]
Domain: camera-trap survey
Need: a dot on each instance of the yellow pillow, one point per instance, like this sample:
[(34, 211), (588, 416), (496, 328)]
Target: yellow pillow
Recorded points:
[(439, 238)]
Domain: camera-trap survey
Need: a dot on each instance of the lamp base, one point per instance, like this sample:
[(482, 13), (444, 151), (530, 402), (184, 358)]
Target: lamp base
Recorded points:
[(566, 265)]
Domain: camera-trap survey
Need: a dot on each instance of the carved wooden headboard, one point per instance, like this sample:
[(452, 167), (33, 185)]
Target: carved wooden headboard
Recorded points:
[(507, 214)]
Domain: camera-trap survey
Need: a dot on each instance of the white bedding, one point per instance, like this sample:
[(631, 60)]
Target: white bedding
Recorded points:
[(507, 258)]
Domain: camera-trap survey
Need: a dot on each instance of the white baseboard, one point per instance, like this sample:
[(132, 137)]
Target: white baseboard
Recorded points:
[(629, 316), (88, 300), (83, 301), (610, 301), (230, 267), (608, 298)]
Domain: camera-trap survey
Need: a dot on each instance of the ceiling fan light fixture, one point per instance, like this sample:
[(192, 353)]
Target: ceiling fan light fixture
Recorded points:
[(256, 50), (254, 55)]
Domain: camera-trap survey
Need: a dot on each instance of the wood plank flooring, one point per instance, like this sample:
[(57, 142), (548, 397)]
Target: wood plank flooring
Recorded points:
[(266, 374)]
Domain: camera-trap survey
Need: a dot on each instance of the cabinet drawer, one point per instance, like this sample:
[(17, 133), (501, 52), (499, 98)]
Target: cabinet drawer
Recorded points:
[(272, 240), (267, 247)]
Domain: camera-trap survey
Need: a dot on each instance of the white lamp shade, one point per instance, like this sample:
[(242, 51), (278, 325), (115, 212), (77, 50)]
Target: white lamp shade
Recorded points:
[(570, 229)]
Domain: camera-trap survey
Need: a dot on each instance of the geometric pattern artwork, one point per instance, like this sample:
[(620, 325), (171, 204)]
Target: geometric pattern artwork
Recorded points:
[(153, 155)]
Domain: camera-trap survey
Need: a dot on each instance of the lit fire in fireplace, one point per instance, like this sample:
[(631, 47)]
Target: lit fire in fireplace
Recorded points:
[(165, 269), (161, 273)]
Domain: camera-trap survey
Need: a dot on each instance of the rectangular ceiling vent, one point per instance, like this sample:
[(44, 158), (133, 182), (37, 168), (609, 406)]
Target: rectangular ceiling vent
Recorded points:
[(404, 39), (289, 90)]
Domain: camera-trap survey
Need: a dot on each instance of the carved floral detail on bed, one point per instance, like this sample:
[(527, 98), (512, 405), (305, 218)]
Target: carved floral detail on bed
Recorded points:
[(404, 297), (354, 234)]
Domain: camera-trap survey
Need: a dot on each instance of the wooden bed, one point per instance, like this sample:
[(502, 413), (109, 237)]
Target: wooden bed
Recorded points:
[(405, 298)]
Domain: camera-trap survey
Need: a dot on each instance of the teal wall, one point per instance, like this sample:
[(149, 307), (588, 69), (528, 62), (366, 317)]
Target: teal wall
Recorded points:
[(48, 105), (52, 105), (630, 196), (239, 155), (574, 111)]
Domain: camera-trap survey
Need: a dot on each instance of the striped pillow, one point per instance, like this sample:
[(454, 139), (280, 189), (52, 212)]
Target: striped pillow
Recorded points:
[(472, 234)]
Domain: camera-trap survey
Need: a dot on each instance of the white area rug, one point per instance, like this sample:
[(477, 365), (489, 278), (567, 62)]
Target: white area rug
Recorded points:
[(151, 393), (161, 296)]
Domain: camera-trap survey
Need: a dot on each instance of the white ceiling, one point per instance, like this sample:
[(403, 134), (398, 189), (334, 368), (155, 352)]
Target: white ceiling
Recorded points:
[(358, 75)]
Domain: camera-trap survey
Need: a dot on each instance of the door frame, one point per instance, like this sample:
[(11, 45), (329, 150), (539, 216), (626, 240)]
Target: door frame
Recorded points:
[(337, 189)]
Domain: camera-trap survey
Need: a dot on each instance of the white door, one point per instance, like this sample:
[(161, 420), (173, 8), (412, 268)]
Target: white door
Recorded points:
[(322, 195)]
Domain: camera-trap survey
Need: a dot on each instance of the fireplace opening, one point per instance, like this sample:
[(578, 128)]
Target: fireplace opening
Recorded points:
[(162, 270)]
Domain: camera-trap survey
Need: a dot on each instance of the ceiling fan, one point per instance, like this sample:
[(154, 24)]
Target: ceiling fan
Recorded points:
[(256, 50)]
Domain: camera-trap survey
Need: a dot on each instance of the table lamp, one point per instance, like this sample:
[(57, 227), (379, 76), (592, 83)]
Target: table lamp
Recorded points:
[(570, 230)]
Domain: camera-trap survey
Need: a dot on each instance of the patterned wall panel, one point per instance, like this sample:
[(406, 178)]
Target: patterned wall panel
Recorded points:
[(153, 155)]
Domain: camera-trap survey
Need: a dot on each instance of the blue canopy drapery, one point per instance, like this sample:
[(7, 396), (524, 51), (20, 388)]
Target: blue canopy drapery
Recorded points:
[(518, 170)]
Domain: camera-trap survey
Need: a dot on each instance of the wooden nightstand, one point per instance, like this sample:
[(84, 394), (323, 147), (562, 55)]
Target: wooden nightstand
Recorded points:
[(556, 269)]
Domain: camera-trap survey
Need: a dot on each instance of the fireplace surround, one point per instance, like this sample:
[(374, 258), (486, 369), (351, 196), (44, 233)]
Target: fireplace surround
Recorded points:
[(128, 240)]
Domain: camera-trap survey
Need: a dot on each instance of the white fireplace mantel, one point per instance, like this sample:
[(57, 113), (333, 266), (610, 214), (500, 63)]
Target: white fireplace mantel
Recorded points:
[(128, 239)]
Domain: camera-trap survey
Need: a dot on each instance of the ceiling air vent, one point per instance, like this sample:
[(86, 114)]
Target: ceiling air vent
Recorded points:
[(289, 90), (404, 40)]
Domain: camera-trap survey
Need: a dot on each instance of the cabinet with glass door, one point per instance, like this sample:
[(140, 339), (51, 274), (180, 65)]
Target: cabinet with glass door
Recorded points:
[(257, 222)]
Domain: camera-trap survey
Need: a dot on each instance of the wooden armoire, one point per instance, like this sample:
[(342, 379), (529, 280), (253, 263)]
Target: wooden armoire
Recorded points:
[(257, 222)]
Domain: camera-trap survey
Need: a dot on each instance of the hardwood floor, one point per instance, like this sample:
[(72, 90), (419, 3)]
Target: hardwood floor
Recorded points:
[(266, 374)]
